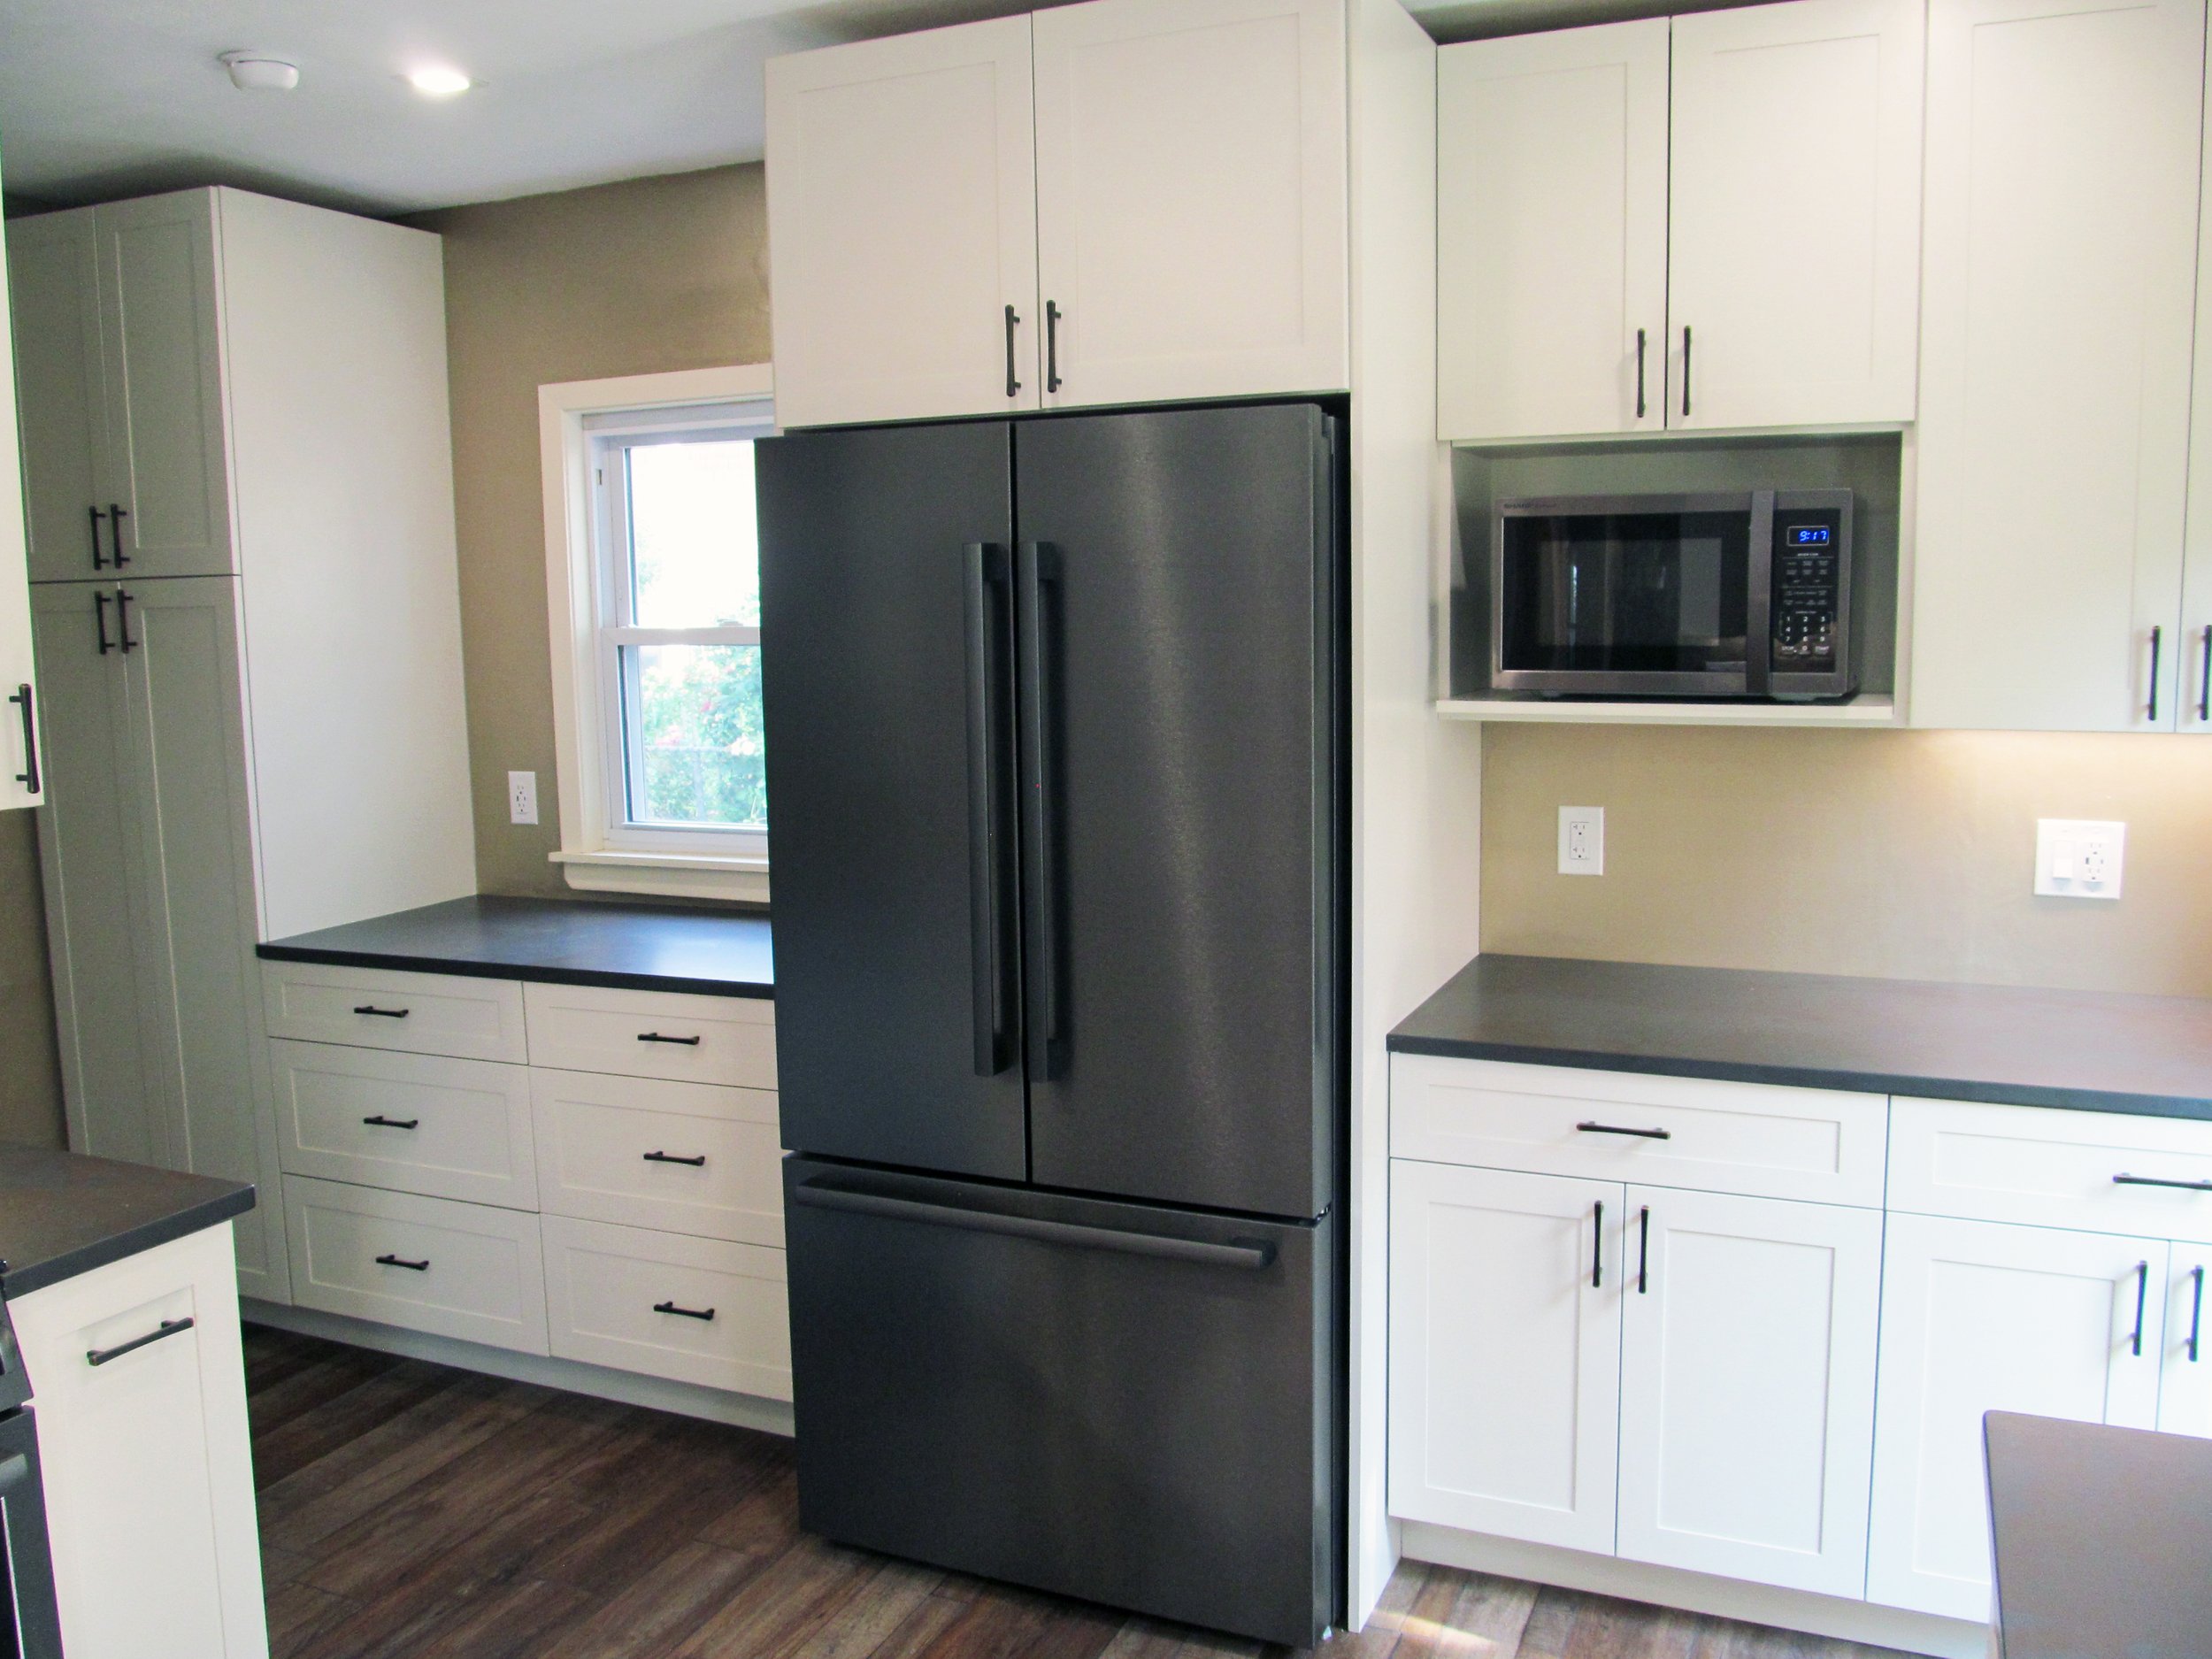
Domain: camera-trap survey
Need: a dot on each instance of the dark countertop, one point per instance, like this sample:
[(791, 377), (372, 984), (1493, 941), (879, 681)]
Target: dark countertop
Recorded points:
[(62, 1215), (2089, 1050), (559, 942)]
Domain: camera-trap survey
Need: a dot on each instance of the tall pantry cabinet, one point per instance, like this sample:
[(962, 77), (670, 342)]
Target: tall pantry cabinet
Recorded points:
[(239, 497), (20, 784)]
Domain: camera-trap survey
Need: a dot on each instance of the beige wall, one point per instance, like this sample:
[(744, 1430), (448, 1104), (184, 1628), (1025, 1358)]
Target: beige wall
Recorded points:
[(622, 278), (1907, 854), (30, 1070)]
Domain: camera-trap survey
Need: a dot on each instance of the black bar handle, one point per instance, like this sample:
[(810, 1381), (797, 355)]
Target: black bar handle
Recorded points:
[(100, 622), (169, 1327), (1597, 1245), (28, 776), (2158, 636), (1616, 1129), (422, 1266), (2155, 1181), (1039, 565), (2204, 680), (987, 569), (1249, 1253), (1685, 371), (380, 1121), (1052, 347), (1643, 1252), (2142, 1292), (2196, 1312), (1639, 374), (699, 1162), (116, 515), (1013, 321), (123, 621), (691, 1041), (688, 1313), (98, 563), (380, 1013)]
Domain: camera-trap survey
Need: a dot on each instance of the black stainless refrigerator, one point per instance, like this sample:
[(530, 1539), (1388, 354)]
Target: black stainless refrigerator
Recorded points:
[(1056, 764)]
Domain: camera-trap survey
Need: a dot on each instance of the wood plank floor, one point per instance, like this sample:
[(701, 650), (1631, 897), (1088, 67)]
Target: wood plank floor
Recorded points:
[(409, 1511)]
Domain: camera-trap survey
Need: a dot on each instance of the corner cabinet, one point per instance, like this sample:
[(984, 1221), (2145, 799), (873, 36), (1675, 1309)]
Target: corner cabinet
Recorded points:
[(1120, 202)]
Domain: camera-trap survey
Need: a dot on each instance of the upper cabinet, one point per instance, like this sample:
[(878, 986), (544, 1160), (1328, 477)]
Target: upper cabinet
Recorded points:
[(1727, 241), (2063, 155), (20, 782), (119, 361), (1122, 201)]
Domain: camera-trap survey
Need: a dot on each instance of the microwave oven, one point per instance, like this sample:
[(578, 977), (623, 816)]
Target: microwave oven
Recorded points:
[(1742, 595)]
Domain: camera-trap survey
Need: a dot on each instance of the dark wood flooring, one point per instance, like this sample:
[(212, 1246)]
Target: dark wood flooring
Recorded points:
[(409, 1511)]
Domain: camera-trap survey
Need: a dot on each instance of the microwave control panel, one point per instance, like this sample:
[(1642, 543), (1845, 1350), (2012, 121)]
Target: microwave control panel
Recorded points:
[(1808, 589)]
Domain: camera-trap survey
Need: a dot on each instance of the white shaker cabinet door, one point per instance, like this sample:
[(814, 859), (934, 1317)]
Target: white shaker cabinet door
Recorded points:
[(1794, 248), (1192, 228), (902, 214), (1551, 233), (1980, 1318), (1747, 1339), (54, 293), (2184, 1392), (2063, 146), (1505, 1349)]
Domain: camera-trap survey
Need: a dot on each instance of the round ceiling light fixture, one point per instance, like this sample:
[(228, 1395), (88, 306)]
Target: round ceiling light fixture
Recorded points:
[(258, 71), (437, 80)]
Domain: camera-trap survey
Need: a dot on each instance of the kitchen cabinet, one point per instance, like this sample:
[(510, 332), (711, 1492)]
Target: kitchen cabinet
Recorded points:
[(2193, 666), (2055, 350), (1701, 223), (21, 782), (148, 1473), (1125, 201)]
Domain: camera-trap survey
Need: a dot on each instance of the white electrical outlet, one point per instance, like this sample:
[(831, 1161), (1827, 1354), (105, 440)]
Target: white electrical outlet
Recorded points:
[(522, 798), (1581, 840), (2078, 858)]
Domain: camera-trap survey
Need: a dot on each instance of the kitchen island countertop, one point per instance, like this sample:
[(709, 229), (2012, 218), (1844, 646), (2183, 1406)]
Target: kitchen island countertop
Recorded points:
[(62, 1213)]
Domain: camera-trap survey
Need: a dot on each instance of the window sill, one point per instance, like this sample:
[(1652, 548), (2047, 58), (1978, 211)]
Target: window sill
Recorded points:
[(666, 875)]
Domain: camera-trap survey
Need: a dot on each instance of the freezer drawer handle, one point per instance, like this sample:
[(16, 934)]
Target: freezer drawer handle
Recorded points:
[(653, 1036), (378, 1120), (699, 1162), (2153, 1180), (422, 1266), (1251, 1253), (688, 1313), (169, 1327), (1615, 1129)]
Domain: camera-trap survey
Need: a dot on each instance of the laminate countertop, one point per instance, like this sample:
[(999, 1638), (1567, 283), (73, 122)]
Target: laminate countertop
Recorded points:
[(557, 942), (2086, 1050), (62, 1215)]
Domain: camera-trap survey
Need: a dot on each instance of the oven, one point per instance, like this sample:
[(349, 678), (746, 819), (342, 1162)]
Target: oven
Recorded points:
[(31, 1626)]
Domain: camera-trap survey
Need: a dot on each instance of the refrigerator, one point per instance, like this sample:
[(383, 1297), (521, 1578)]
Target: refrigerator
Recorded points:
[(1055, 718)]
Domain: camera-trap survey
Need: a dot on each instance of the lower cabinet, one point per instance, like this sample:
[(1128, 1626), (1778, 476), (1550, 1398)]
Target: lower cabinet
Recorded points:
[(148, 1470)]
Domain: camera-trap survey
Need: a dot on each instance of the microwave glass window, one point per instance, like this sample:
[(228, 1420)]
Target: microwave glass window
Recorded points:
[(1639, 593)]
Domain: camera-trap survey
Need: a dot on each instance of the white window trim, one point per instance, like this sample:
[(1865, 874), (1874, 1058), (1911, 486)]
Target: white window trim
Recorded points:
[(585, 859)]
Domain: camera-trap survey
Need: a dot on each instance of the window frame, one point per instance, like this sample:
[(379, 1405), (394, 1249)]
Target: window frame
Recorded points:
[(581, 425)]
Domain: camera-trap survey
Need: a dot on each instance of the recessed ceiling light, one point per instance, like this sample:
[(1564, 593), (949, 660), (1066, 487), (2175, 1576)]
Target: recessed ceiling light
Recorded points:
[(437, 81), (258, 71)]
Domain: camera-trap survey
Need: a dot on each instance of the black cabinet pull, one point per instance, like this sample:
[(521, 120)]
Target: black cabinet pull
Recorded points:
[(380, 1121), (28, 776), (653, 1036), (98, 563), (1685, 371), (169, 1327), (699, 1162), (1052, 347), (380, 1013), (123, 621), (2204, 680), (422, 1266), (1013, 321), (1597, 1245), (685, 1313), (116, 515), (2142, 1292), (2154, 1180), (100, 622), (2158, 636), (2196, 1312), (1639, 374), (1643, 1252), (1616, 1129)]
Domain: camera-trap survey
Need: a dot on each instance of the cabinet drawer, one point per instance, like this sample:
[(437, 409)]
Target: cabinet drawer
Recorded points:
[(683, 1158), (480, 1276), (416, 1013), (730, 1040), (414, 1122), (612, 1294), (1821, 1144), (2051, 1169)]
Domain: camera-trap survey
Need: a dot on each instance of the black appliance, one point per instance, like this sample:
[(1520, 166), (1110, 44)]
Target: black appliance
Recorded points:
[(30, 1625), (1744, 596), (1054, 716)]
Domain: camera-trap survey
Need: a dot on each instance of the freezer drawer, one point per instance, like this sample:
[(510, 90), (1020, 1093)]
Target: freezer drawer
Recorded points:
[(1129, 1404)]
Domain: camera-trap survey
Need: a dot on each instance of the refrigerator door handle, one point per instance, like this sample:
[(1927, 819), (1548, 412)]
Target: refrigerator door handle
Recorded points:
[(989, 571), (1249, 1255), (1039, 566)]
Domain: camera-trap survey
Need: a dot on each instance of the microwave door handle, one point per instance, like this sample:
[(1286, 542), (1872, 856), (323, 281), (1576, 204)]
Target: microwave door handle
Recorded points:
[(1758, 631)]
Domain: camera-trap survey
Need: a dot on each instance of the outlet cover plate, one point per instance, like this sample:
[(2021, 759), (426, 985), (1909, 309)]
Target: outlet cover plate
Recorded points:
[(1581, 840), (2078, 858), (522, 798)]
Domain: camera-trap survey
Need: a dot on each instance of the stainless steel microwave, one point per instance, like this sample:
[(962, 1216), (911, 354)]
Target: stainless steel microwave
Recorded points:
[(1744, 596)]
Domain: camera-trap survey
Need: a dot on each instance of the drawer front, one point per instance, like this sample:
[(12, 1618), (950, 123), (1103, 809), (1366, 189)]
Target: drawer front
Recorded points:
[(642, 1152), (2052, 1169), (414, 1122), (613, 1295), (728, 1040), (416, 1013), (1820, 1145), (479, 1274)]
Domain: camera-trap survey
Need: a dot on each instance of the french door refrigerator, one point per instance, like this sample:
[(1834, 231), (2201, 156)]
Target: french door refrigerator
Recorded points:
[(1056, 748)]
